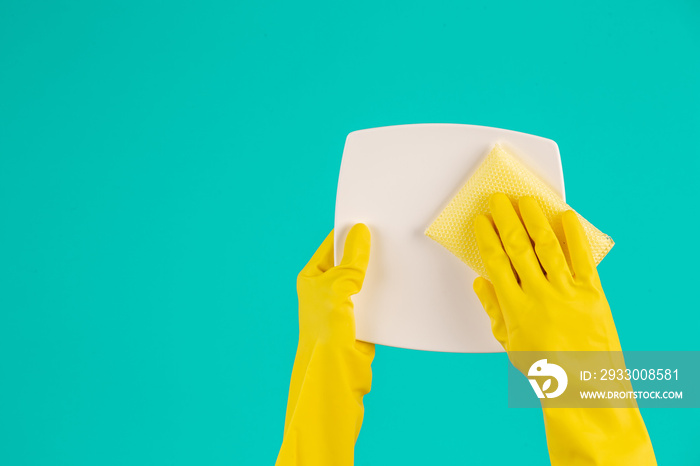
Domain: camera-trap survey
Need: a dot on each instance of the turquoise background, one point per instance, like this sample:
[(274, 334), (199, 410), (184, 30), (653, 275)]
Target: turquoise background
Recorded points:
[(166, 169)]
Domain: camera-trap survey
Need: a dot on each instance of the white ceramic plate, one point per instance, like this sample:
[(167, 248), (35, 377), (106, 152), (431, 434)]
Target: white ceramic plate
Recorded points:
[(396, 180)]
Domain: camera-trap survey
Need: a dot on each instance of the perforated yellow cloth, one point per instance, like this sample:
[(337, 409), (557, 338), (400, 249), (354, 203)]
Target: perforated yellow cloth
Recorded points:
[(502, 172)]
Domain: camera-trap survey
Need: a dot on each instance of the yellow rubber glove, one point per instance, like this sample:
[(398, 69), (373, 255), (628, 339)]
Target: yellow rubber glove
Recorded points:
[(538, 302), (331, 370)]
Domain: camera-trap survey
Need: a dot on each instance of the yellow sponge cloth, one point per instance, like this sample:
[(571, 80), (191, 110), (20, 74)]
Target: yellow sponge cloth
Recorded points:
[(501, 172)]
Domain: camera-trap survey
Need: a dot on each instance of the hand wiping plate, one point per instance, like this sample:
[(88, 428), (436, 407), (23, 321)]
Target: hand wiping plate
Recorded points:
[(407, 181)]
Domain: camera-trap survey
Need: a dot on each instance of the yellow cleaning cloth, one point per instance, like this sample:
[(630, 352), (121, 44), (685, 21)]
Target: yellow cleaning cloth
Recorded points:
[(501, 172)]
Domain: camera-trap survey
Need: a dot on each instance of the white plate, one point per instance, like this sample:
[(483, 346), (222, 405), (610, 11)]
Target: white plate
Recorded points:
[(396, 180)]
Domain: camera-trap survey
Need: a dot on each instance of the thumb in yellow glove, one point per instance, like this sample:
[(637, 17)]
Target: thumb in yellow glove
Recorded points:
[(332, 370), (540, 300)]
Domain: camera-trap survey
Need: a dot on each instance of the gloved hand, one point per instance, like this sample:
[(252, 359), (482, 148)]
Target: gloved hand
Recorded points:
[(540, 301), (332, 370), (562, 308)]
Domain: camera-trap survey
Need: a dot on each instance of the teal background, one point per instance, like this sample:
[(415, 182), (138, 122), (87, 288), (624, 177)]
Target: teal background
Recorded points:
[(166, 169)]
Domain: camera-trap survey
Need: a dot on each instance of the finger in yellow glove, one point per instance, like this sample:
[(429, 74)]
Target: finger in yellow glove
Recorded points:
[(537, 302), (332, 371)]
